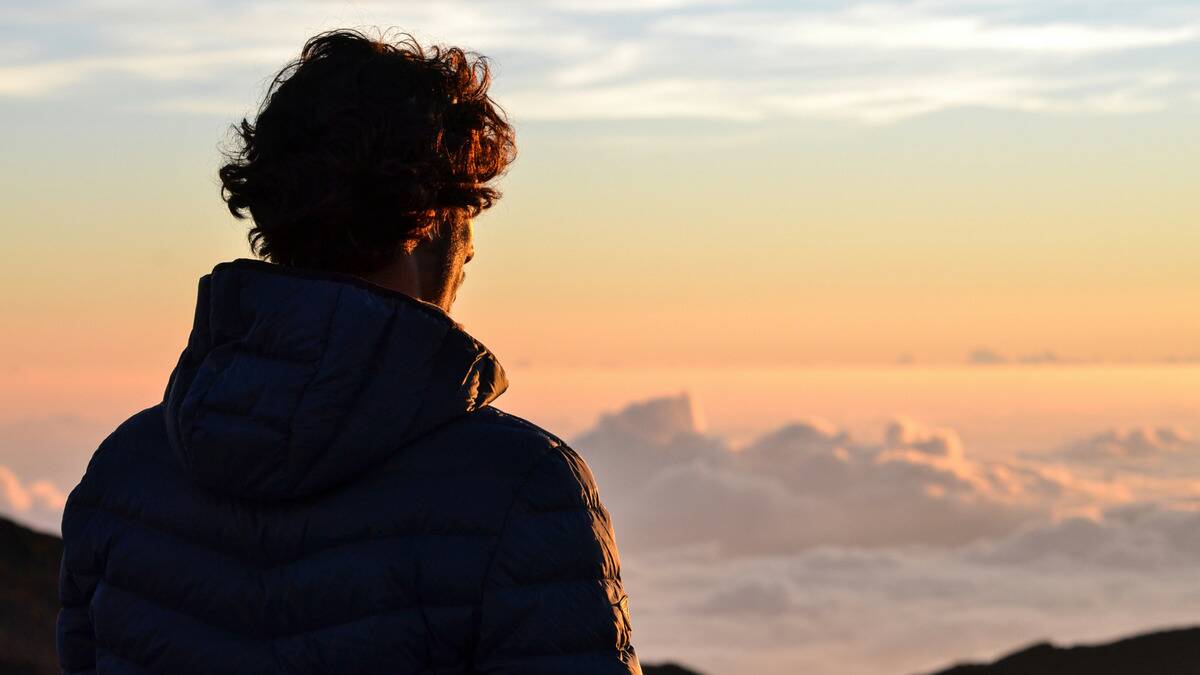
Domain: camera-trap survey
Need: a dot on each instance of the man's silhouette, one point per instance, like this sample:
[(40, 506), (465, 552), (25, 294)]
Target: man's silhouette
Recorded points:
[(325, 487)]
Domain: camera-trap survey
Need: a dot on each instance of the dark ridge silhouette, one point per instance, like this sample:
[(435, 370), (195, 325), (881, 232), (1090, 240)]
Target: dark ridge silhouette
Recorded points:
[(29, 604), (1169, 652), (667, 669), (28, 600)]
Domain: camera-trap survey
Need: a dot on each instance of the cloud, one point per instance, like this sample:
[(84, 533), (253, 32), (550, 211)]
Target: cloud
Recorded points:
[(809, 484), (1041, 357), (41, 459), (38, 79), (39, 502), (1151, 463), (1140, 538), (985, 356), (879, 27), (647, 437), (630, 6), (1133, 445), (618, 60), (811, 550), (835, 611), (666, 59)]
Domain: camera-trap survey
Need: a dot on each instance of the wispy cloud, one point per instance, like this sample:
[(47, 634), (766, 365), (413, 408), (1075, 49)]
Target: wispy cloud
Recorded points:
[(911, 27), (739, 61), (630, 6), (41, 78)]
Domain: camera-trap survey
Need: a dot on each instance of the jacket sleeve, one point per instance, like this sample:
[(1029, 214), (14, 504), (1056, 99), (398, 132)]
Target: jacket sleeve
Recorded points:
[(553, 601), (77, 578)]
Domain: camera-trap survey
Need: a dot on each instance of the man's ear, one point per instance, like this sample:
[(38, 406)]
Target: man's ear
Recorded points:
[(450, 235)]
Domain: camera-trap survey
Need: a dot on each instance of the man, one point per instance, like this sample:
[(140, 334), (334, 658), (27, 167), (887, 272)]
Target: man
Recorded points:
[(325, 487)]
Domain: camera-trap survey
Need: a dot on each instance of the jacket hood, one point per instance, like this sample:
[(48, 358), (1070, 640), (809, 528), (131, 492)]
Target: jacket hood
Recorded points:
[(294, 381)]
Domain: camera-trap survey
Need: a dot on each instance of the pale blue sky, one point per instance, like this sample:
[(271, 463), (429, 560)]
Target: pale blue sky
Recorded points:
[(566, 59)]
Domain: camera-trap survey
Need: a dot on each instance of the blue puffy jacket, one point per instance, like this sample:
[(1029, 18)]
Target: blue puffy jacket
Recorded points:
[(326, 489)]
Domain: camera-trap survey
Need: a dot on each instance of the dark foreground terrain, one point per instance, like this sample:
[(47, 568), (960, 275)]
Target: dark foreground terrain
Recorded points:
[(29, 603), (667, 669), (28, 600), (1171, 652)]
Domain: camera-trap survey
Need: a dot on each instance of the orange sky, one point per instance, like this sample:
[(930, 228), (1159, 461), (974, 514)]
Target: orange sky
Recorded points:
[(1074, 236), (654, 221)]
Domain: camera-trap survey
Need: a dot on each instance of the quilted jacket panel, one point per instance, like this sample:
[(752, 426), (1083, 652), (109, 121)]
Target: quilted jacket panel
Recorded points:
[(326, 488)]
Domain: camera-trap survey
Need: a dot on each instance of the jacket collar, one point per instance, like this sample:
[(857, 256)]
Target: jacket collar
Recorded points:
[(294, 381)]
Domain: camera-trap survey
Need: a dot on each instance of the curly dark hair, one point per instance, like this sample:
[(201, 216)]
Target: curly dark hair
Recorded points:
[(364, 147)]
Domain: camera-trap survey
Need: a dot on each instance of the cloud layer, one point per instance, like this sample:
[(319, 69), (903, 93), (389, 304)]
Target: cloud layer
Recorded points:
[(808, 550), (563, 60), (835, 610), (810, 483)]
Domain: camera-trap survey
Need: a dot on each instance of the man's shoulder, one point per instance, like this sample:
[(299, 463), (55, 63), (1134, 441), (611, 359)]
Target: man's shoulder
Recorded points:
[(550, 463), (495, 420), (520, 444), (141, 429), (120, 454), (118, 462)]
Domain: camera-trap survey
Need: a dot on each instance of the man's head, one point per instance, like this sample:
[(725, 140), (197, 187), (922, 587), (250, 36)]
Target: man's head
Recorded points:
[(371, 157)]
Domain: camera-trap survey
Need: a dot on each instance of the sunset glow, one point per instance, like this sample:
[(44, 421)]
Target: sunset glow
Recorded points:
[(976, 218)]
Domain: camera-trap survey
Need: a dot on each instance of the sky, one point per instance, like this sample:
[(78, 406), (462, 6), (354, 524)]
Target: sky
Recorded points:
[(965, 221)]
